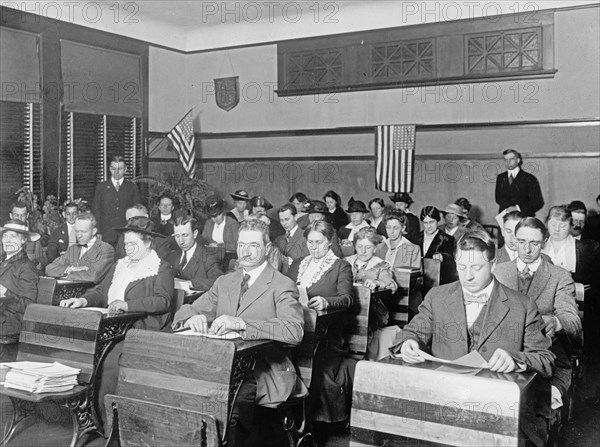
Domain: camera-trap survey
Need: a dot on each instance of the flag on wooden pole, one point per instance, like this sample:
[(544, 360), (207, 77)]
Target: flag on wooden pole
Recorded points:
[(182, 139), (394, 158)]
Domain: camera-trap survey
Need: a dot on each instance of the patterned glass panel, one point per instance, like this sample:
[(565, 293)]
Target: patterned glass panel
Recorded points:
[(317, 68), (504, 52), (403, 60)]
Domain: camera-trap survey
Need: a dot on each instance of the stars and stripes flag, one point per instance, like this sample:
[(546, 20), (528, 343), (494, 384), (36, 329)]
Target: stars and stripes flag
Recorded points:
[(394, 158), (182, 139)]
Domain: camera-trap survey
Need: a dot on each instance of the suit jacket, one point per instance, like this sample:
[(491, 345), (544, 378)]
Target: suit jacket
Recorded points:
[(443, 244), (202, 269), (271, 311), (230, 233), (457, 235), (524, 191), (512, 323), (592, 228), (409, 256), (551, 287), (502, 256), (167, 229), (295, 248), (413, 227), (110, 205), (338, 218), (58, 243), (98, 259), (152, 295), (20, 277)]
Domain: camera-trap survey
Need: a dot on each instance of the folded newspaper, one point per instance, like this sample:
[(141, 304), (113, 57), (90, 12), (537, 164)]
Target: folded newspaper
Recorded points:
[(39, 377)]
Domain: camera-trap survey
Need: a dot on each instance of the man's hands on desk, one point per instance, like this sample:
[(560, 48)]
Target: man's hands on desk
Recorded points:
[(501, 361), (115, 307), (220, 326)]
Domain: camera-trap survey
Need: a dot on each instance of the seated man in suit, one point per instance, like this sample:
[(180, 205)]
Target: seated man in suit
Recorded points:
[(259, 303), (164, 220), (192, 262), (478, 313), (509, 251), (64, 235), (292, 244), (88, 260), (553, 291)]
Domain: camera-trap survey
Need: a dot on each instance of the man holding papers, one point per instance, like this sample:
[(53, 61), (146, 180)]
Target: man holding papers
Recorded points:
[(477, 313), (259, 303)]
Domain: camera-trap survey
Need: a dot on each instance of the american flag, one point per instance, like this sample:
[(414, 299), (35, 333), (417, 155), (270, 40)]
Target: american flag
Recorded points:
[(182, 138), (394, 158)]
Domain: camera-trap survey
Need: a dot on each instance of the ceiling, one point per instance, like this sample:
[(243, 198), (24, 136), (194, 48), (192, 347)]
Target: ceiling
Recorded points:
[(204, 25)]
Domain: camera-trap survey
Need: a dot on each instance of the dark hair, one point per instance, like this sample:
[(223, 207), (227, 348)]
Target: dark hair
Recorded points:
[(368, 233), (477, 240), (464, 203), (321, 226), (71, 205), (252, 224), (19, 205), (534, 223), (378, 201), (187, 219), (513, 151), (333, 195), (117, 159), (577, 206), (299, 196), (166, 195), (513, 215), (396, 215), (431, 212), (288, 207), (560, 212)]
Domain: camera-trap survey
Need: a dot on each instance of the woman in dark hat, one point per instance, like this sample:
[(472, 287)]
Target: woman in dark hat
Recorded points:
[(338, 217), (240, 211), (300, 201), (260, 205), (220, 231), (18, 278), (140, 282), (357, 211), (402, 201)]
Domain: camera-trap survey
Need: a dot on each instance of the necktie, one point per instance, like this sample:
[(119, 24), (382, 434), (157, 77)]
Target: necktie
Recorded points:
[(243, 288), (117, 186), (83, 249), (526, 273), (183, 261), (82, 245), (72, 237), (510, 179), (287, 236), (479, 299)]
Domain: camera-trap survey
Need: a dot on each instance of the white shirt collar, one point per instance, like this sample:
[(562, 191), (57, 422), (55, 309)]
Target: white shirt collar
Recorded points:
[(487, 290), (514, 172), (293, 230), (254, 274), (532, 267), (512, 254), (117, 182), (222, 224), (189, 253), (164, 217)]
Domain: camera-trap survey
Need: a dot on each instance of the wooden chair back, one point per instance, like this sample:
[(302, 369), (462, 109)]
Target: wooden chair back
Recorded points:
[(67, 336), (408, 405), (409, 285), (141, 422), (52, 291), (356, 322), (431, 274), (188, 372), (304, 354)]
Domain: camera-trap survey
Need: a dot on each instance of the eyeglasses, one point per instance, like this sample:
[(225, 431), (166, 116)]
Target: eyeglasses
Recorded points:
[(529, 244), (251, 246)]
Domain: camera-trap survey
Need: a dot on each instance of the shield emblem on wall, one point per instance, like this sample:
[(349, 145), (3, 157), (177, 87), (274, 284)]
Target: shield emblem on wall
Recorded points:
[(227, 92)]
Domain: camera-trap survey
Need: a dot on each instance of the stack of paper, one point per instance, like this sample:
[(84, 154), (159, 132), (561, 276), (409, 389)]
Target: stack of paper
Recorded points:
[(38, 377)]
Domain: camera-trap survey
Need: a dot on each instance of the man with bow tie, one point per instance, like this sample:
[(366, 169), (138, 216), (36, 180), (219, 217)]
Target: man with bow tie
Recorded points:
[(553, 291), (259, 303), (89, 259), (478, 313)]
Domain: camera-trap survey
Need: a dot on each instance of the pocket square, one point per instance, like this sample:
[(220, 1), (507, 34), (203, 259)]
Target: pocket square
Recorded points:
[(60, 240)]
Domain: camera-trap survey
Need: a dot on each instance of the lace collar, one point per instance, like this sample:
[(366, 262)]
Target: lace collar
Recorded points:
[(146, 268), (325, 264)]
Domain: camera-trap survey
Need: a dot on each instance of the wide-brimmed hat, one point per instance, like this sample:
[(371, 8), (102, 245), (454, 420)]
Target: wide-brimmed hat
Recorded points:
[(19, 227), (357, 206), (140, 224), (316, 206), (260, 201), (240, 194), (214, 206), (454, 209), (401, 197)]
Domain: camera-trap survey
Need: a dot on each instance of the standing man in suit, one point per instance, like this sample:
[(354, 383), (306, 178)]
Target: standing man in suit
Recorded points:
[(89, 259), (292, 244), (112, 198), (259, 303), (478, 313), (64, 235), (164, 220), (553, 291), (517, 187), (192, 262)]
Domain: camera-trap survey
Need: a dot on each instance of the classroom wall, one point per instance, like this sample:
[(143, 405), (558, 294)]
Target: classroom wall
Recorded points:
[(227, 163)]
